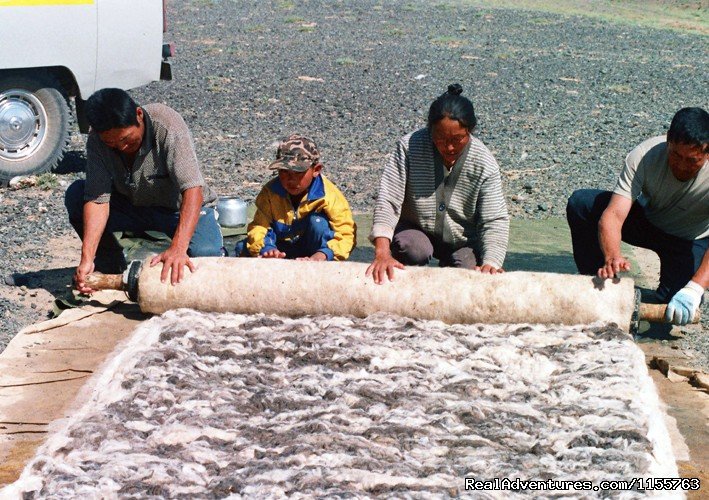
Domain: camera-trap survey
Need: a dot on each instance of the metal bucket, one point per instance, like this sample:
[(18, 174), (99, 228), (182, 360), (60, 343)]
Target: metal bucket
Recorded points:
[(232, 211)]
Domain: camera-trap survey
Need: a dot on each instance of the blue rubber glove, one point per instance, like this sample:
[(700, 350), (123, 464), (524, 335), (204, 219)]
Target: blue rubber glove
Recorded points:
[(684, 304)]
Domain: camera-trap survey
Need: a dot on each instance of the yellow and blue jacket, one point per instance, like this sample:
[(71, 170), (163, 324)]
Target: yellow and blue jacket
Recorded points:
[(276, 219)]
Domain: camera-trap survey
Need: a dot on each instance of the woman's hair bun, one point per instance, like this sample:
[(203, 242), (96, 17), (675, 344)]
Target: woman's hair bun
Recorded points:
[(455, 89), (452, 105)]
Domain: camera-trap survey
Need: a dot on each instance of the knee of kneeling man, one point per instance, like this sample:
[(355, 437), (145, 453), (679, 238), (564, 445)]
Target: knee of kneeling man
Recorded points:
[(74, 199), (576, 201), (574, 198), (205, 250)]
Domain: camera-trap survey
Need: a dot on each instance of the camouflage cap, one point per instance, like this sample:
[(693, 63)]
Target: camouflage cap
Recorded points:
[(297, 153)]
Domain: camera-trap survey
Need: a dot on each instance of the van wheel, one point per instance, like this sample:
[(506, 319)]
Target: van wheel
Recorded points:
[(34, 125)]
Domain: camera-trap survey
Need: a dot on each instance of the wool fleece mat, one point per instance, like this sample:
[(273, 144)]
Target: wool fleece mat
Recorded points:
[(223, 405)]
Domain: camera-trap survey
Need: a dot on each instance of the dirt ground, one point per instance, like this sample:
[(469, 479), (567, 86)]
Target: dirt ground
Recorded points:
[(53, 280)]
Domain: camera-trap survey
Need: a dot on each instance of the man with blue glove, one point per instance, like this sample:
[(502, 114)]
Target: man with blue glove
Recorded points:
[(660, 202)]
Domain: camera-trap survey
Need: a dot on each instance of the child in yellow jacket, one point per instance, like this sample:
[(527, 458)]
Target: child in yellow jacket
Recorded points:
[(300, 214)]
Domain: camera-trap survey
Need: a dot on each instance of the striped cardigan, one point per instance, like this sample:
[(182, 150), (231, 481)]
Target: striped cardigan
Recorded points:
[(466, 208)]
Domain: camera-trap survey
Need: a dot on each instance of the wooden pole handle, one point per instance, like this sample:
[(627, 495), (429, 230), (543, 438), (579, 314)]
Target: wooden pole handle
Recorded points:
[(655, 313), (100, 281)]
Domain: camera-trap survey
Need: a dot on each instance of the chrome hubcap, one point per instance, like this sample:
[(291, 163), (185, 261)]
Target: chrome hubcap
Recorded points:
[(23, 122)]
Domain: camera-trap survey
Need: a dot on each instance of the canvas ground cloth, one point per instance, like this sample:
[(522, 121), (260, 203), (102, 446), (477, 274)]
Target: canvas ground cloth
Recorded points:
[(213, 405)]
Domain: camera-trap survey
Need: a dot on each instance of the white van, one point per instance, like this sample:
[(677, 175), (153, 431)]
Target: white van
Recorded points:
[(54, 50)]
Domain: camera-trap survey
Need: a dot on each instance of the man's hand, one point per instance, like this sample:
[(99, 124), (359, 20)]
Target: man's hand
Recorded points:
[(95, 217), (85, 267), (613, 266), (273, 254), (489, 269), (684, 304), (173, 264), (317, 256), (610, 229)]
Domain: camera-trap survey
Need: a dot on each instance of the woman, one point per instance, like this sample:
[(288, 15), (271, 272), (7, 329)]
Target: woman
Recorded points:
[(441, 196)]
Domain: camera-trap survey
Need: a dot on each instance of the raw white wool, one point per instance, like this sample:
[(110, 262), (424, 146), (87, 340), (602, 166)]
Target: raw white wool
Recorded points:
[(218, 405)]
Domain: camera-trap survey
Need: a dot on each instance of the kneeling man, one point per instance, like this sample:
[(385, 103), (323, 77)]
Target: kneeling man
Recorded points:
[(660, 202), (141, 174)]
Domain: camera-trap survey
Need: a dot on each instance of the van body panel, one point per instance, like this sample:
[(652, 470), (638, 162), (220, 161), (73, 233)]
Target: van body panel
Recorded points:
[(129, 43), (60, 34), (103, 43)]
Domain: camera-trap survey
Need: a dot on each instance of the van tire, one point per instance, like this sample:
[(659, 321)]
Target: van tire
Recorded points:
[(34, 124)]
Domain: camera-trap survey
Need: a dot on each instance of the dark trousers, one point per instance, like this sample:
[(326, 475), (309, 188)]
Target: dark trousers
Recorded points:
[(316, 232), (413, 247), (679, 258), (123, 216)]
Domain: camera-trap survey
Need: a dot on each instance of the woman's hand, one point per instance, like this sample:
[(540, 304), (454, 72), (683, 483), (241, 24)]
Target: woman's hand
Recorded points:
[(489, 269), (383, 264)]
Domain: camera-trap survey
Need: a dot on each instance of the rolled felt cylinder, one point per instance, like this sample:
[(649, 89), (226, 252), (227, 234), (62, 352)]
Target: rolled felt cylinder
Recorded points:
[(299, 288)]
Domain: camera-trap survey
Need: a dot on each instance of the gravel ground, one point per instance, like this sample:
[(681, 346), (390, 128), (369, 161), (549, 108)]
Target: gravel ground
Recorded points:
[(560, 102)]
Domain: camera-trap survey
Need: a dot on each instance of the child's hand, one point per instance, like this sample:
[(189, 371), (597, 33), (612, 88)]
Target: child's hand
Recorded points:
[(273, 254), (316, 256)]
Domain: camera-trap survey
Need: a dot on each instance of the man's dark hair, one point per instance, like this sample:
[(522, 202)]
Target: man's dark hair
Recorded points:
[(453, 105), (111, 108), (690, 126)]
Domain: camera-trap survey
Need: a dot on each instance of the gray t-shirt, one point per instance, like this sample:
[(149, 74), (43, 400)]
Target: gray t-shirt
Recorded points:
[(676, 207), (165, 166)]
